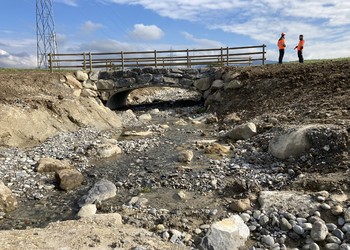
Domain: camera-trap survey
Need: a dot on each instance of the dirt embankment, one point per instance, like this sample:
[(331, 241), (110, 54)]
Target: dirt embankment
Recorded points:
[(298, 93), (35, 105)]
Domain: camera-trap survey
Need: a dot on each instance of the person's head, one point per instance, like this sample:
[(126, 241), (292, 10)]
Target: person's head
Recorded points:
[(283, 34), (301, 37)]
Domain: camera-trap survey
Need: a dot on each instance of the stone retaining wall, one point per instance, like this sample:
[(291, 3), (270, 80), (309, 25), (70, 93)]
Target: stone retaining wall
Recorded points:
[(113, 87)]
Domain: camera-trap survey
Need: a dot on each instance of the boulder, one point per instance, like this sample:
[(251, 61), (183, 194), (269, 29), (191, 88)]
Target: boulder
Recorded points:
[(87, 210), (185, 156), (230, 75), (81, 75), (88, 93), (89, 85), (171, 80), (286, 200), (105, 84), (69, 179), (234, 84), (290, 143), (108, 150), (52, 165), (145, 117), (8, 201), (203, 83), (319, 231), (73, 82), (228, 234), (242, 132), (240, 205), (94, 75), (102, 190), (217, 84)]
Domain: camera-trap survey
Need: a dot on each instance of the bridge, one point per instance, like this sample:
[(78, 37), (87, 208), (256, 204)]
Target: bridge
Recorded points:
[(122, 72), (115, 86)]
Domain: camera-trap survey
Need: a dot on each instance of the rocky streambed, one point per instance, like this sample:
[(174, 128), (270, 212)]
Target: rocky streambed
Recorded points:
[(178, 173)]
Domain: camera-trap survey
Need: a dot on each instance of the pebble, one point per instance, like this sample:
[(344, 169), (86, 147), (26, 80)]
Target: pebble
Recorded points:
[(319, 231), (331, 246), (314, 246), (298, 229)]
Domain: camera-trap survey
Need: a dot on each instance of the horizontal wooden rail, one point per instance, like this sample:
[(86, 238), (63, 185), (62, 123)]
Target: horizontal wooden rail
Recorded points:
[(164, 58)]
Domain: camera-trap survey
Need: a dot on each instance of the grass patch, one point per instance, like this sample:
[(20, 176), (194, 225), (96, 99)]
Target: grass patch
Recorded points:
[(323, 60)]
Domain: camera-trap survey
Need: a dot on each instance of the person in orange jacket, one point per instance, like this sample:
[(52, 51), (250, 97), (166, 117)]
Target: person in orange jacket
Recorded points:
[(300, 48), (281, 44)]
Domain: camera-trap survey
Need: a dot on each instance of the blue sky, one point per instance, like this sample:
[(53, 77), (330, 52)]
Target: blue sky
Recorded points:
[(129, 25)]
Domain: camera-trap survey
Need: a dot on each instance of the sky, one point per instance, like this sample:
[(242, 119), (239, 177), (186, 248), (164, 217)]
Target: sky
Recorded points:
[(140, 25)]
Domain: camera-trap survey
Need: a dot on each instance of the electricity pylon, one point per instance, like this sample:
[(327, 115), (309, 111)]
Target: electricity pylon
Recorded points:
[(45, 32)]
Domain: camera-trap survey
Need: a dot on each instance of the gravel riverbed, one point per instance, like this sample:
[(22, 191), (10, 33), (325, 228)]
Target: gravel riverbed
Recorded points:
[(177, 201)]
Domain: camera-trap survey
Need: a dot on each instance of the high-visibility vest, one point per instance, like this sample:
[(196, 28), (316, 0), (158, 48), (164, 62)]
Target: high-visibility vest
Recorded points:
[(301, 44), (281, 43)]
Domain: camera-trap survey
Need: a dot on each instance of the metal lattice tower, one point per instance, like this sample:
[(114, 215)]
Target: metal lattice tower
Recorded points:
[(45, 32)]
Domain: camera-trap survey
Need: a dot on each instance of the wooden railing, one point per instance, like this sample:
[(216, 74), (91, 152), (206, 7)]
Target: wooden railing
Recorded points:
[(170, 58)]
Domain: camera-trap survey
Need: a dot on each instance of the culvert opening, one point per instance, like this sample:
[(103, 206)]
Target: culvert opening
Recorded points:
[(155, 97)]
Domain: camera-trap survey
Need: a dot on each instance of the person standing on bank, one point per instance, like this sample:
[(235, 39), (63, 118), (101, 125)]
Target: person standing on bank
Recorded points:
[(281, 46), (300, 48)]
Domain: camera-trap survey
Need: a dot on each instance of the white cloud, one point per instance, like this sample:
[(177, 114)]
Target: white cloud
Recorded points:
[(101, 46), (22, 60), (89, 27), (146, 32), (18, 53), (68, 2), (202, 42)]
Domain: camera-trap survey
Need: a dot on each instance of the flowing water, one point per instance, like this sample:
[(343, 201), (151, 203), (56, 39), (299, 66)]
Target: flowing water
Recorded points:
[(144, 170)]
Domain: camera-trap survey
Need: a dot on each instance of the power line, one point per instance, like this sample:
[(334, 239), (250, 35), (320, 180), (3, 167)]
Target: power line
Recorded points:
[(45, 32)]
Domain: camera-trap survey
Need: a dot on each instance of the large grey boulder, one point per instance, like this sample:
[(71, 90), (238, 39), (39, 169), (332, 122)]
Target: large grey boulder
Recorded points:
[(228, 234), (203, 83), (290, 143), (102, 190)]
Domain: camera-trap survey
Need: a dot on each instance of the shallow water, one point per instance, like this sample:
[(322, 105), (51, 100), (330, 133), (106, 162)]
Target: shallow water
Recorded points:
[(145, 172)]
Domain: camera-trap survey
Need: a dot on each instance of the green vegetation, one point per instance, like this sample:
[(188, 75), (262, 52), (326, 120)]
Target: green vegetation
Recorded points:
[(323, 60)]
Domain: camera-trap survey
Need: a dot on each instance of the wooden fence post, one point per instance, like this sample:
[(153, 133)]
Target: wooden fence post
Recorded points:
[(50, 62), (155, 58), (263, 59), (188, 59), (222, 56), (227, 56), (90, 60), (84, 61), (122, 57)]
